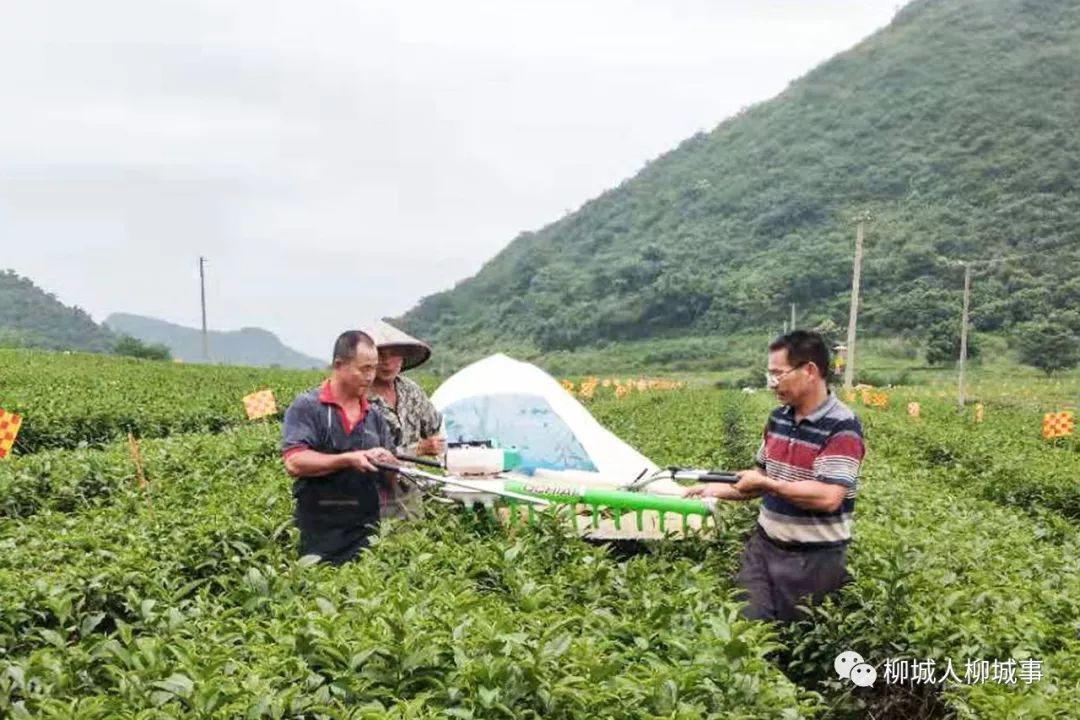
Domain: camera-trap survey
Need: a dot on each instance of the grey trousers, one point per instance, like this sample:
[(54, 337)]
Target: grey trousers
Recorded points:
[(774, 580)]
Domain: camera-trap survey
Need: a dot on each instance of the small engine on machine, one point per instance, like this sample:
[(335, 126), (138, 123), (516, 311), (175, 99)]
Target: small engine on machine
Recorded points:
[(479, 458)]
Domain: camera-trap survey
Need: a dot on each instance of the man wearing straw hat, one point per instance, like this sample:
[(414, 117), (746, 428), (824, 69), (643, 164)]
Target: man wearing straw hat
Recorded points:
[(415, 424)]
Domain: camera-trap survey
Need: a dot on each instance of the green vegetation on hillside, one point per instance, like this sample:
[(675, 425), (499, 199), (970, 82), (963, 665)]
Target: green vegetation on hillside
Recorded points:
[(954, 128), (31, 317)]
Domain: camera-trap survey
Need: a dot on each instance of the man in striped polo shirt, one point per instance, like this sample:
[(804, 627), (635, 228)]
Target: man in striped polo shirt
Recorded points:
[(807, 472)]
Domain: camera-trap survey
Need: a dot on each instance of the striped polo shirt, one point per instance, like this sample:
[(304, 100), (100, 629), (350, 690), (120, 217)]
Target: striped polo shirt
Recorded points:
[(826, 445)]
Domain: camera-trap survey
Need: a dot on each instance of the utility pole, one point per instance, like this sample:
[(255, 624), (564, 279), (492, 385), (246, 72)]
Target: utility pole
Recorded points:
[(964, 321), (964, 333), (792, 316), (965, 318), (849, 366), (966, 315), (202, 295)]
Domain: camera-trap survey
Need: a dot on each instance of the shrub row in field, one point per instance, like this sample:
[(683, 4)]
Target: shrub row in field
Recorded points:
[(71, 401), (115, 609), (946, 576), (68, 401), (195, 606), (1004, 458), (940, 573), (74, 480)]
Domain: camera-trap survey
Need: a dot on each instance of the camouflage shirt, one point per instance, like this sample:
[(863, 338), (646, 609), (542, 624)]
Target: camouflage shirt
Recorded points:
[(413, 419)]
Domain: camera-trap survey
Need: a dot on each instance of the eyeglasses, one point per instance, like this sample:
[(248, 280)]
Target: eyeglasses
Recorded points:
[(772, 379)]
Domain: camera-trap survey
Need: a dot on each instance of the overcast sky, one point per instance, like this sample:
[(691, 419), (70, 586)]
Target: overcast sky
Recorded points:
[(336, 161)]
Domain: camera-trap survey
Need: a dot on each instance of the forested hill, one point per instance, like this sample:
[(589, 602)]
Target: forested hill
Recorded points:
[(32, 317), (956, 128)]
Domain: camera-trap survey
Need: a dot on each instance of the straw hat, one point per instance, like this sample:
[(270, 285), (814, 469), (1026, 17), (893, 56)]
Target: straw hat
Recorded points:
[(387, 337)]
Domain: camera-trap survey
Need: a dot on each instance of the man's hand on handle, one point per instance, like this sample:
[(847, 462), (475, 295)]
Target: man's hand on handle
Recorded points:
[(708, 490), (751, 484), (365, 459)]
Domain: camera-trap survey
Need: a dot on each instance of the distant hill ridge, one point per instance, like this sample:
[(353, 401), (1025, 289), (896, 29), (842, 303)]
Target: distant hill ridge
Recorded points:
[(247, 346)]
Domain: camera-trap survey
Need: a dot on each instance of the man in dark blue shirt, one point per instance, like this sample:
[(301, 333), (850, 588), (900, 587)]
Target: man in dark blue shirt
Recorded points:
[(331, 441)]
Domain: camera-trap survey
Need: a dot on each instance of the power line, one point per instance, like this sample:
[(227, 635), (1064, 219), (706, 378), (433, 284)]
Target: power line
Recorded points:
[(1009, 258)]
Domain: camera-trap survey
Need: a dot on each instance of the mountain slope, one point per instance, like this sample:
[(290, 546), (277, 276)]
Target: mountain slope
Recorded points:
[(32, 317), (247, 346), (955, 128)]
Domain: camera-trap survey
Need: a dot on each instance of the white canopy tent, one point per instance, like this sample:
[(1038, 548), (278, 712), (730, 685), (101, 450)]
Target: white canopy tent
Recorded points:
[(516, 404)]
